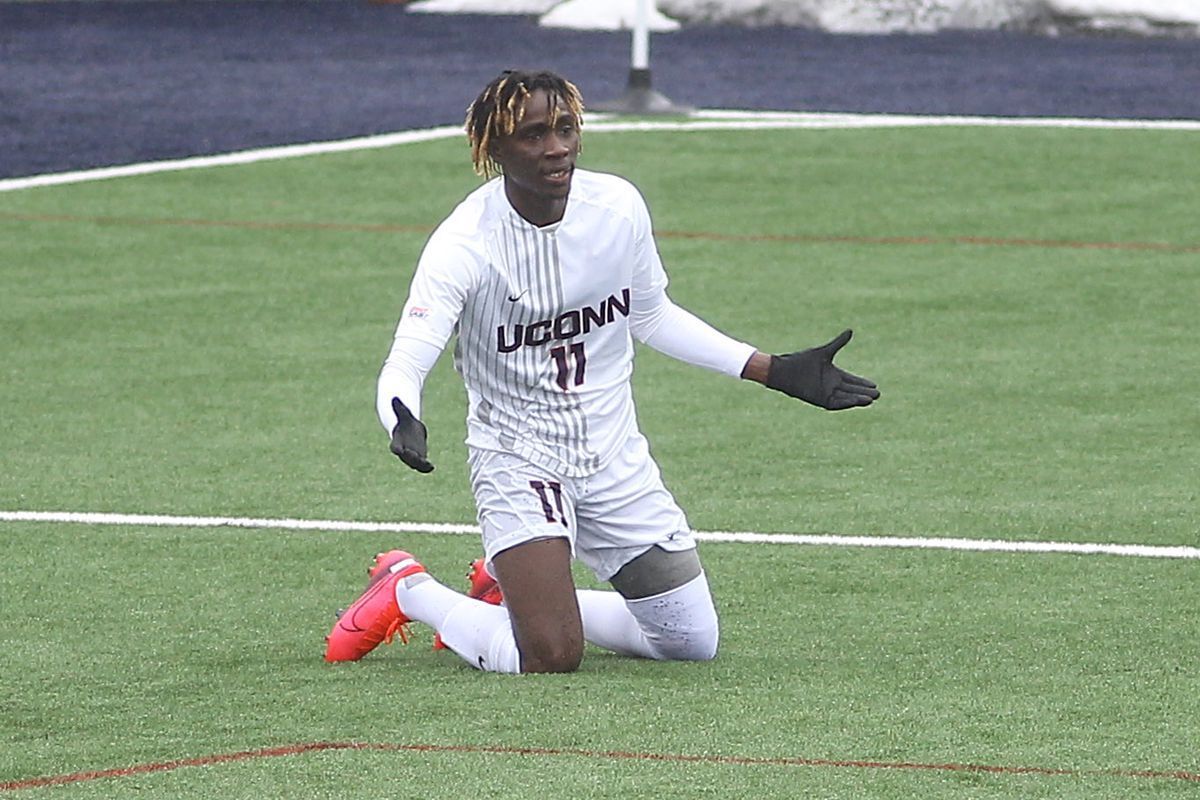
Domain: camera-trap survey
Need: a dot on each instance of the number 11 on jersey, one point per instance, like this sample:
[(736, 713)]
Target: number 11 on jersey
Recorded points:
[(562, 359)]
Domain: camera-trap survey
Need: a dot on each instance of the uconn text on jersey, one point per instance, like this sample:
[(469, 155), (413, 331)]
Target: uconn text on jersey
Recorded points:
[(564, 326)]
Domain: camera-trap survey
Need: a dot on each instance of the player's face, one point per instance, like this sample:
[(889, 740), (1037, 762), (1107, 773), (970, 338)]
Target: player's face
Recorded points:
[(538, 158)]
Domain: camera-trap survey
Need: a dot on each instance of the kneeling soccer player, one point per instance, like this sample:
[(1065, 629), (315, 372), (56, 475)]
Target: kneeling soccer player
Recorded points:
[(547, 273)]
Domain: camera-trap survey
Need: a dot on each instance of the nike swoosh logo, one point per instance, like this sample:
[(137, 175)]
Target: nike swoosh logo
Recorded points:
[(352, 624), (512, 299)]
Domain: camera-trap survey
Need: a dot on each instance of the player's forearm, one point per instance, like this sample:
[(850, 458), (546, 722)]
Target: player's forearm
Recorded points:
[(403, 375), (682, 335)]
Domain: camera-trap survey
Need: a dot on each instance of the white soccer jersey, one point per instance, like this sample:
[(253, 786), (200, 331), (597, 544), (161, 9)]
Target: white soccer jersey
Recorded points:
[(545, 319)]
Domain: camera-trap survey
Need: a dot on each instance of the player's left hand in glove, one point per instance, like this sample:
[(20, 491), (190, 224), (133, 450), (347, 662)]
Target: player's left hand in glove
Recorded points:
[(408, 438), (811, 376)]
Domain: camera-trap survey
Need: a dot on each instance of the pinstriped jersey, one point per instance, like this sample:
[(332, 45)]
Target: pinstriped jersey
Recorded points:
[(544, 318)]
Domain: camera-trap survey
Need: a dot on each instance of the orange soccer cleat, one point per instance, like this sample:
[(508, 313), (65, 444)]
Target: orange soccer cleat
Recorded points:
[(482, 587), (375, 616)]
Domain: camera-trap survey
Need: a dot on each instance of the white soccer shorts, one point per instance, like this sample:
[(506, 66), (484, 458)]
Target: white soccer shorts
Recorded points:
[(610, 517)]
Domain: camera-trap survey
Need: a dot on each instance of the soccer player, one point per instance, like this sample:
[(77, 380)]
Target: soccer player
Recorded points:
[(546, 274)]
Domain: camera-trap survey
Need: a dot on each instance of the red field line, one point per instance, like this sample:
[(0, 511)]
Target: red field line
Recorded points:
[(922, 241), (555, 752)]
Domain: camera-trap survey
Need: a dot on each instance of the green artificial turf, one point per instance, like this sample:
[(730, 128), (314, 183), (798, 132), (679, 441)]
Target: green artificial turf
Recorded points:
[(206, 343)]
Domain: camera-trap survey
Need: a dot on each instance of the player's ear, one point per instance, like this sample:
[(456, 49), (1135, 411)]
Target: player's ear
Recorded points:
[(496, 154)]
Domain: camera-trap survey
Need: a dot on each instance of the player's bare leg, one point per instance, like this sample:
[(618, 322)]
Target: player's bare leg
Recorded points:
[(539, 594)]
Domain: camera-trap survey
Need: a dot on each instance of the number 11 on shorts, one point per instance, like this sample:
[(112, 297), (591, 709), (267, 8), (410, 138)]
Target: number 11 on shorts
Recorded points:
[(549, 510)]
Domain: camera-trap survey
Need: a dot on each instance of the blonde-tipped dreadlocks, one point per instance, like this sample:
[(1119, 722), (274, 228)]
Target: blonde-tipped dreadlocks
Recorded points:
[(498, 109)]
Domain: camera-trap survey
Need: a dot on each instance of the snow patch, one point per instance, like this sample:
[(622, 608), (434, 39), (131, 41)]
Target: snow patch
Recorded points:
[(482, 6), (1179, 17), (1148, 17), (612, 15)]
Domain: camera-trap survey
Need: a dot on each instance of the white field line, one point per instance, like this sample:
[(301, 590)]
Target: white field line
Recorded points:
[(827, 119), (906, 542), (227, 159), (700, 121)]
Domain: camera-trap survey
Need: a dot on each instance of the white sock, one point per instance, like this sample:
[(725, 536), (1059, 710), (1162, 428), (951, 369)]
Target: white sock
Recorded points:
[(680, 624), (607, 623), (422, 598), (480, 633)]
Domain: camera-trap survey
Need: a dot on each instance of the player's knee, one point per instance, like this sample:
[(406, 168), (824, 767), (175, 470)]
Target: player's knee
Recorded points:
[(656, 571), (695, 641), (560, 654), (680, 624)]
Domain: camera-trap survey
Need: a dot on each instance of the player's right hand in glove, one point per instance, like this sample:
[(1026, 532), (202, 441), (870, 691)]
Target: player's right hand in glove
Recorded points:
[(408, 438), (811, 376)]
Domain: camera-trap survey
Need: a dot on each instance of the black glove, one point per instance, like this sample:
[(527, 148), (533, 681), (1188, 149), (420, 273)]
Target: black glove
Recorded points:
[(408, 438), (811, 376)]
